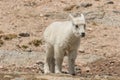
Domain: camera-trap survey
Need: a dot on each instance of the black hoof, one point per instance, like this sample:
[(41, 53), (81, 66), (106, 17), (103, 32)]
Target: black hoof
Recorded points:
[(73, 74)]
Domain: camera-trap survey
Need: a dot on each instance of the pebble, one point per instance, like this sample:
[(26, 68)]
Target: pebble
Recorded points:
[(86, 5), (18, 79), (97, 0), (89, 29), (24, 34), (69, 8), (81, 50), (1, 67), (97, 77), (8, 76), (110, 2), (86, 69)]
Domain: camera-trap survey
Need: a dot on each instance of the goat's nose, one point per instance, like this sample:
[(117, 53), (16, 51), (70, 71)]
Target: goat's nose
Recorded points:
[(83, 34)]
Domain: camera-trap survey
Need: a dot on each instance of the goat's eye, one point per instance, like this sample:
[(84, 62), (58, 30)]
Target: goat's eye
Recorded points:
[(76, 26)]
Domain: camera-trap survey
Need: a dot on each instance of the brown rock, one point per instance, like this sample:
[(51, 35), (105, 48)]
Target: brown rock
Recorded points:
[(86, 5), (110, 2), (69, 8), (86, 69)]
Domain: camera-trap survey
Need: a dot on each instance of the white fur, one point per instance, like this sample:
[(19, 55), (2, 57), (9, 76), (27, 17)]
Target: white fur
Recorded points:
[(61, 37)]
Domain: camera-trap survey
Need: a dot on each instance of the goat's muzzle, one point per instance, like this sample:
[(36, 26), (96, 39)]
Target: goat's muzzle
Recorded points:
[(82, 34)]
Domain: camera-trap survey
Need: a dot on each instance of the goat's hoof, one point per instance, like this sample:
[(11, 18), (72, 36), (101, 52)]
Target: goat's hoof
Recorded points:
[(47, 72), (58, 72), (64, 72), (73, 74)]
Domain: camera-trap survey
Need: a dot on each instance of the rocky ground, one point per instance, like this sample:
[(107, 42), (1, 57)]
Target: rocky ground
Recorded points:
[(22, 23)]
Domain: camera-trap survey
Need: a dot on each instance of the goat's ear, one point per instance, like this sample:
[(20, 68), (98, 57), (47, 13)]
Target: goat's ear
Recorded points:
[(71, 17), (82, 17)]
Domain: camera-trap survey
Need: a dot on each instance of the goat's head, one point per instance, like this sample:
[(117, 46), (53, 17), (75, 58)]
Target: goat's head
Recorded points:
[(79, 25)]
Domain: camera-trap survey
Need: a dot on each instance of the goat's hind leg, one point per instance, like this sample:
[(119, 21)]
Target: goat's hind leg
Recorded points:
[(52, 64)]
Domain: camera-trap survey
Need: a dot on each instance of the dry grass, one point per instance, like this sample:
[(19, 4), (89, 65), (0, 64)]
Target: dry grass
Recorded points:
[(94, 24), (9, 36), (24, 46), (36, 42)]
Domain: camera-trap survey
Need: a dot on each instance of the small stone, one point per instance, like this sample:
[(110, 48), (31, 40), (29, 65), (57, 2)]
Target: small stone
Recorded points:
[(105, 76), (117, 12), (77, 68), (97, 0), (89, 29), (96, 50), (81, 50), (86, 5), (110, 2), (28, 50), (24, 34), (1, 32), (41, 15), (97, 77), (18, 78), (8, 76), (69, 8), (48, 14), (39, 62), (85, 69), (1, 67)]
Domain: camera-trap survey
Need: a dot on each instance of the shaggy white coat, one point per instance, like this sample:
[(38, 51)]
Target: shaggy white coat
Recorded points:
[(62, 37)]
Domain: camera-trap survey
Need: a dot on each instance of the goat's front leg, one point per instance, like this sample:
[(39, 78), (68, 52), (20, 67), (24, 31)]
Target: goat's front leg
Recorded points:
[(71, 61), (59, 55)]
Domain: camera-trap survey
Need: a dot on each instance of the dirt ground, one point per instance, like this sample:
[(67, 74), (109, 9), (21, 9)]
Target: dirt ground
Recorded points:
[(22, 23)]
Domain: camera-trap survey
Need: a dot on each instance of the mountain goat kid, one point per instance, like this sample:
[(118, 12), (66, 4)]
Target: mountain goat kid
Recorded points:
[(63, 38)]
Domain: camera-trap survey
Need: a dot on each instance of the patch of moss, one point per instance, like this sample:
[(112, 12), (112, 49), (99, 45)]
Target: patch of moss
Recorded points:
[(36, 42), (94, 23), (9, 36), (18, 46), (24, 46)]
